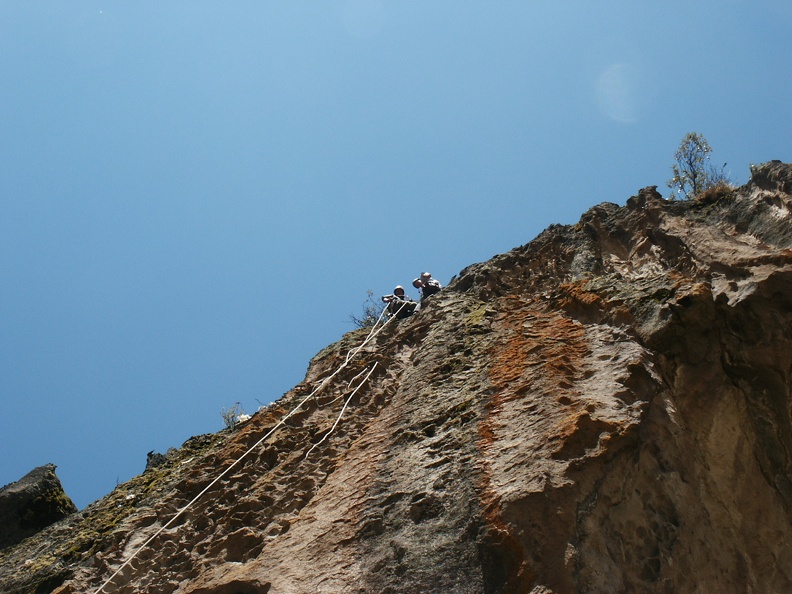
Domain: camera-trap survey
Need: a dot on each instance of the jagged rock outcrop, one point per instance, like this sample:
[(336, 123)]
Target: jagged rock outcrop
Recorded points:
[(605, 409), (32, 503)]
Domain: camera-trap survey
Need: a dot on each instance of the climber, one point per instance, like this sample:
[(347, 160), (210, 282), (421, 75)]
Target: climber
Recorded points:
[(427, 286), (399, 304)]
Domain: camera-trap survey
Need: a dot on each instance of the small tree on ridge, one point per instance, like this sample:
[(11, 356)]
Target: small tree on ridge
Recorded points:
[(372, 310), (693, 172)]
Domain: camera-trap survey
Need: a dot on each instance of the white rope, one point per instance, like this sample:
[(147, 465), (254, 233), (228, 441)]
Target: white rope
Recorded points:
[(350, 355), (354, 352), (349, 385), (341, 414)]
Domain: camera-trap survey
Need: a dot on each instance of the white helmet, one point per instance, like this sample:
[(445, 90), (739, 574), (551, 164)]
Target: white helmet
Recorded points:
[(398, 288), (426, 275)]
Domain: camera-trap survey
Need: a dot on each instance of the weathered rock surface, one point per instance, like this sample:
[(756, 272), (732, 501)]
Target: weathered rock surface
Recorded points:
[(605, 409), (32, 503)]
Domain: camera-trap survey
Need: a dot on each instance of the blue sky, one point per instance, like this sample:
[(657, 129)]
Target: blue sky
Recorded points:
[(195, 196)]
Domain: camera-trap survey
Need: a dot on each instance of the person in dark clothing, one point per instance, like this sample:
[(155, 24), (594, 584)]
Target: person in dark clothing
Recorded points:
[(399, 304), (427, 286)]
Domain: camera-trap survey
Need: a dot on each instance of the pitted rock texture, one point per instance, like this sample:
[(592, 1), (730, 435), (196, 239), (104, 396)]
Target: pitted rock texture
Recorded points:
[(605, 409)]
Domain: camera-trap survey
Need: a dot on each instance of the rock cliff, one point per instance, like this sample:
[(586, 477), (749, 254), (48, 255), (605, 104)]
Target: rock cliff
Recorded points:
[(605, 409)]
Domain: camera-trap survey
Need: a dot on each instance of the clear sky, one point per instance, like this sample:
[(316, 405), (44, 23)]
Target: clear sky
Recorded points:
[(195, 196)]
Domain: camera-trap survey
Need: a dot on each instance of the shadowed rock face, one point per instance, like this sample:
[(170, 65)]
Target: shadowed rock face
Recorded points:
[(605, 409), (33, 502)]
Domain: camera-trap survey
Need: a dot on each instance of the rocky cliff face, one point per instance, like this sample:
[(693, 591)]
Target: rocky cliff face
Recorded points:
[(605, 409)]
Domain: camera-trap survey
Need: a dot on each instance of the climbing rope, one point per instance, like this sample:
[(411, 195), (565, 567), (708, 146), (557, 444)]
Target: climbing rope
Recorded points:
[(341, 414), (350, 355)]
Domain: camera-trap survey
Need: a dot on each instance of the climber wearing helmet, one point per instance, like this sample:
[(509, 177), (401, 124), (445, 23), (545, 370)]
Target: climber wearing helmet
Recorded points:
[(427, 285), (399, 304)]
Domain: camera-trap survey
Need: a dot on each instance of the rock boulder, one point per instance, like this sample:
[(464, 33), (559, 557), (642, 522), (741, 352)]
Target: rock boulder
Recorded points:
[(32, 503)]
